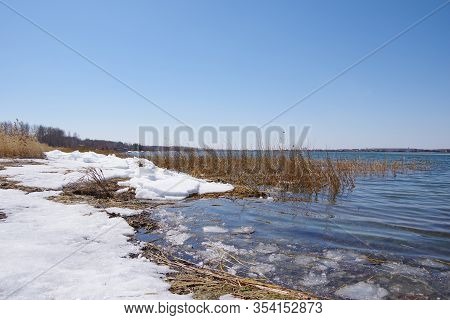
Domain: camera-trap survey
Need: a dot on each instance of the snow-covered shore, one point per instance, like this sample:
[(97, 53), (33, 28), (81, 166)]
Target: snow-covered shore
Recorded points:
[(50, 250), (149, 181)]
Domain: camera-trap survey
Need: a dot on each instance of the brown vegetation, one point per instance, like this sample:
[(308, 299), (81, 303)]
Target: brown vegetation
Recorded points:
[(286, 172), (17, 142)]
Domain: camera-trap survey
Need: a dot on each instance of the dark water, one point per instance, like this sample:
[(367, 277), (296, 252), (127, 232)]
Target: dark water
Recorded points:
[(388, 238)]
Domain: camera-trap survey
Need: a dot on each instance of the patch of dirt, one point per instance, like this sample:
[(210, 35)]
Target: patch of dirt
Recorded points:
[(142, 221), (5, 183), (17, 163), (239, 191)]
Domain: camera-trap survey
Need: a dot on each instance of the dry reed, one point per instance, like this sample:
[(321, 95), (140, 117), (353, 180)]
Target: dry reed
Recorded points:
[(294, 171), (18, 143)]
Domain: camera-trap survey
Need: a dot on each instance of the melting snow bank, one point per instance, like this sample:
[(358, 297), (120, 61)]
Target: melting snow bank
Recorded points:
[(50, 250), (148, 180)]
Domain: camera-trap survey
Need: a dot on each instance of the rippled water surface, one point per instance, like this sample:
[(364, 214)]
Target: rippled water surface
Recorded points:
[(388, 238)]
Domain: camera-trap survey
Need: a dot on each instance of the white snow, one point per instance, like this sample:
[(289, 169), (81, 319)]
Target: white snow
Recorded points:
[(362, 291), (50, 250), (148, 180)]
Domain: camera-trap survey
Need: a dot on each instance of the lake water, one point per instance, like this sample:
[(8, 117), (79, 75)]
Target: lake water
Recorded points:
[(389, 238)]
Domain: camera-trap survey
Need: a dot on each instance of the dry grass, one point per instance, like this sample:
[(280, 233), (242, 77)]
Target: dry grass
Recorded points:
[(95, 189), (207, 283), (16, 144), (286, 172)]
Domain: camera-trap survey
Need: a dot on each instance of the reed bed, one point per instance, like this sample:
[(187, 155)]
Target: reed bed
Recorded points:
[(294, 171), (15, 142)]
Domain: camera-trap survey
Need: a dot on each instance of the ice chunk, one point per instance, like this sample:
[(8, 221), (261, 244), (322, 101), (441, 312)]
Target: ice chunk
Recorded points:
[(243, 230), (362, 291), (305, 260), (262, 268), (266, 248), (400, 268), (214, 229), (314, 279), (177, 237)]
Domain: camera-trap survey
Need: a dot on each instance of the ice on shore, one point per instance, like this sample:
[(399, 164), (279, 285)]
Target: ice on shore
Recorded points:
[(148, 180), (171, 226), (362, 291)]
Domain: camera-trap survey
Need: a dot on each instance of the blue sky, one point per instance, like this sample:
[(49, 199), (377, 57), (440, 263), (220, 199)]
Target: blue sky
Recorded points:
[(231, 63)]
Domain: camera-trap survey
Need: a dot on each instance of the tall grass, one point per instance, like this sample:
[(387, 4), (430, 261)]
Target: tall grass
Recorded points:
[(15, 142), (294, 171)]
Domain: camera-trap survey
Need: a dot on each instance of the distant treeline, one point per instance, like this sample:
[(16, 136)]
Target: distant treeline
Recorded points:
[(56, 137)]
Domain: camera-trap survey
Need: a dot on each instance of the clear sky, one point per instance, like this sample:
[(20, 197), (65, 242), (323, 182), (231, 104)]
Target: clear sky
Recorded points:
[(231, 63)]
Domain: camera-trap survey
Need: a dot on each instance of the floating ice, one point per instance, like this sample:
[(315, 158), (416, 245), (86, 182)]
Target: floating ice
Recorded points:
[(277, 257), (343, 255), (214, 229), (266, 248), (314, 279), (362, 291), (400, 268), (305, 260), (243, 230), (262, 268), (177, 237)]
